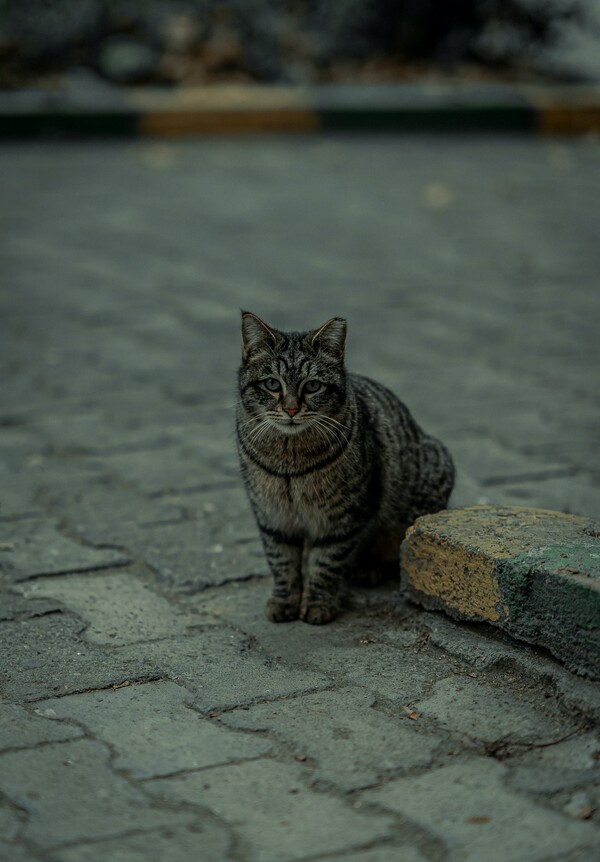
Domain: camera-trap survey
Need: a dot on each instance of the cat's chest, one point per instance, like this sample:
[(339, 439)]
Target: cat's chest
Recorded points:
[(300, 502)]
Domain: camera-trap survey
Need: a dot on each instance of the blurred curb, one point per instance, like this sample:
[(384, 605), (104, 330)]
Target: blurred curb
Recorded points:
[(428, 107)]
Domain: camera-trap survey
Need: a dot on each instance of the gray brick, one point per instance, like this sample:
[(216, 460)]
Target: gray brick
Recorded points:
[(547, 770), (22, 729), (118, 607), (161, 735), (476, 709), (34, 547), (274, 816), (205, 839), (18, 853), (176, 468), (221, 670), (93, 801), (352, 744), (467, 806), (46, 657), (389, 663)]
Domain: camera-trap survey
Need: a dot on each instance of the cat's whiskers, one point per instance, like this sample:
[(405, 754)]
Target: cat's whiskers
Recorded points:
[(256, 434), (332, 434)]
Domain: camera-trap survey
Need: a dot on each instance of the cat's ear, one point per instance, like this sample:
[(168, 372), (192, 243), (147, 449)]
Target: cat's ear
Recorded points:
[(330, 338), (256, 335)]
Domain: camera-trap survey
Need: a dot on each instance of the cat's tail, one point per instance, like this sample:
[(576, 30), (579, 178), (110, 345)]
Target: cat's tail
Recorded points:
[(437, 477)]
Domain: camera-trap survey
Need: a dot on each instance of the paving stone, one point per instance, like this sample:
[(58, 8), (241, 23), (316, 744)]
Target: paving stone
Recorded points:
[(177, 468), (386, 853), (532, 572), (482, 711), (46, 657), (17, 501), (18, 853), (467, 806), (273, 815), (33, 547), (221, 670), (351, 743), (191, 556), (103, 513), (118, 607), (546, 770), (161, 735), (15, 607), (357, 635), (205, 840), (11, 821), (93, 801), (22, 729)]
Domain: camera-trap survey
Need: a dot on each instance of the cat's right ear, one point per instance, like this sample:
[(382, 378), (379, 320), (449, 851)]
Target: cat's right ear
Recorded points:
[(256, 335)]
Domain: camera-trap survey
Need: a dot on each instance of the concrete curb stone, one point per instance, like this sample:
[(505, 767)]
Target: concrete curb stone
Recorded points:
[(534, 573), (233, 109)]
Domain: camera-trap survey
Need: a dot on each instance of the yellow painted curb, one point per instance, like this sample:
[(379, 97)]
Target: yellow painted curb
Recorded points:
[(227, 109), (566, 110)]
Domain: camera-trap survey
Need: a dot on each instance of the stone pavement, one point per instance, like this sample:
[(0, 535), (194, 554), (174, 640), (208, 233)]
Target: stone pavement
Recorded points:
[(148, 710)]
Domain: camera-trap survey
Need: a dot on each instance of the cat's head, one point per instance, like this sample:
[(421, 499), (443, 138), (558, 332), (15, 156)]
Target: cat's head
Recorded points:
[(292, 380)]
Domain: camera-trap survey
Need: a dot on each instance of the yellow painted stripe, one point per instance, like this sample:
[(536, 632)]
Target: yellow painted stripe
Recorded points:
[(185, 122), (569, 119)]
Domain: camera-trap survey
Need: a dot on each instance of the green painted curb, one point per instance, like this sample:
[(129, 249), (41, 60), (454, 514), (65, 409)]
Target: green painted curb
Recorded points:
[(534, 573), (330, 108)]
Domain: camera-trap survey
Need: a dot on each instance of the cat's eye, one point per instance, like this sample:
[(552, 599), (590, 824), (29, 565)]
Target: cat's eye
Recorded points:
[(271, 384), (312, 386)]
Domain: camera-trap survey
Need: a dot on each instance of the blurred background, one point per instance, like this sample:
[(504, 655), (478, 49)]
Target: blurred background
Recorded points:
[(192, 42)]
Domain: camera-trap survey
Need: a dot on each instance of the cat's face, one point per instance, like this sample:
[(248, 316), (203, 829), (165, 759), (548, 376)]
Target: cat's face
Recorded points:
[(292, 381)]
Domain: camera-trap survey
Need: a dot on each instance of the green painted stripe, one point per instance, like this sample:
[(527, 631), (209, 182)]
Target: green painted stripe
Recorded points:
[(479, 118), (41, 124)]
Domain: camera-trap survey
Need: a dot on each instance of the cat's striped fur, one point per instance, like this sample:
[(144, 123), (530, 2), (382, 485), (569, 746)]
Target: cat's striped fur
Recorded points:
[(335, 466)]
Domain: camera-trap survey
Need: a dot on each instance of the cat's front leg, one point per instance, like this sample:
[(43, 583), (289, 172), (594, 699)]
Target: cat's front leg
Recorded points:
[(284, 556), (329, 564)]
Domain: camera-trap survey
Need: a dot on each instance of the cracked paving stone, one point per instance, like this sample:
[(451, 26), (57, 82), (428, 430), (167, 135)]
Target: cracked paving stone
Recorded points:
[(273, 815), (351, 743), (22, 729), (188, 557), (46, 657), (93, 801), (203, 841), (485, 713), (177, 468), (30, 548), (220, 544), (18, 853), (15, 607), (118, 607), (11, 822), (398, 672), (386, 853), (102, 513), (467, 806), (17, 501), (153, 730), (548, 770), (221, 671)]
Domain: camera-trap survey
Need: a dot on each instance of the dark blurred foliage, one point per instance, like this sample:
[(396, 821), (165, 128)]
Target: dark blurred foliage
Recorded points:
[(300, 41)]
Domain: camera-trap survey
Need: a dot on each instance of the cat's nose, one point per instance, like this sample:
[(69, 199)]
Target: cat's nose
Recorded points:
[(291, 411)]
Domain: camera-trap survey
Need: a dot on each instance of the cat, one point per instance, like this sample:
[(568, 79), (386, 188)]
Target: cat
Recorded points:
[(335, 467)]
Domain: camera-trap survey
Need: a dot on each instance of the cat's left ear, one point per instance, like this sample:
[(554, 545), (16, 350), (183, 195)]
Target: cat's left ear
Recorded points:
[(256, 335), (330, 338)]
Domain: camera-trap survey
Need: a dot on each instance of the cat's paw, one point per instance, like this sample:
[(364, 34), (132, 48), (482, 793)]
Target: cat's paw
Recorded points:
[(280, 610), (318, 613)]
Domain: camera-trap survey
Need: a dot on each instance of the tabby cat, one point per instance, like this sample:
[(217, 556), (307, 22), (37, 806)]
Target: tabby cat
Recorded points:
[(335, 467)]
